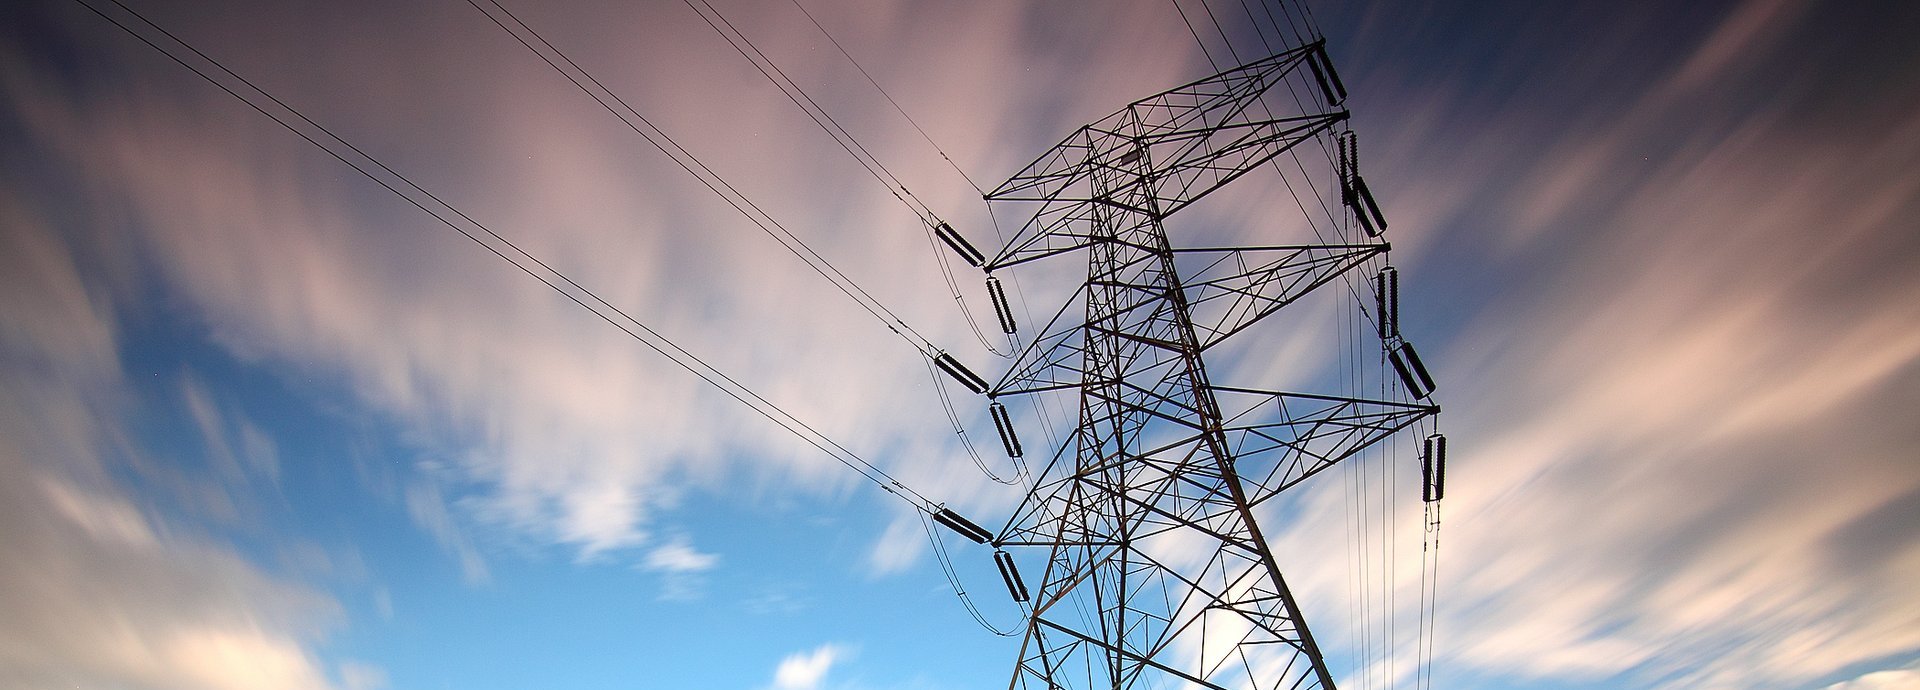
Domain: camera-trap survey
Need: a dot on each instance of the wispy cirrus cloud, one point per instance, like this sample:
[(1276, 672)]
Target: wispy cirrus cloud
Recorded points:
[(1682, 314), (565, 429), (97, 591), (1672, 462)]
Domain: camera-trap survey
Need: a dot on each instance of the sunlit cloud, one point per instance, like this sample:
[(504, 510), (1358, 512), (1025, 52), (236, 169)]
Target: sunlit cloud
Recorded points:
[(96, 592), (1670, 328), (806, 670)]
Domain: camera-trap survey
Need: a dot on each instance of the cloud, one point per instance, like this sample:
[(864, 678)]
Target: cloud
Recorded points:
[(361, 677), (566, 430), (1906, 678), (806, 670), (429, 511), (1669, 415), (256, 454), (1666, 396), (97, 591), (680, 567), (678, 556)]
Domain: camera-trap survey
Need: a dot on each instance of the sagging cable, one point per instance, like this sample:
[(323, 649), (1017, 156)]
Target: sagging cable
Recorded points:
[(1412, 371), (1004, 425), (998, 294), (1433, 468), (959, 244), (1011, 575), (963, 526), (960, 372)]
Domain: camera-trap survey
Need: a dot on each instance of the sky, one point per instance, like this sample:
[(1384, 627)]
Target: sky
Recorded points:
[(265, 425)]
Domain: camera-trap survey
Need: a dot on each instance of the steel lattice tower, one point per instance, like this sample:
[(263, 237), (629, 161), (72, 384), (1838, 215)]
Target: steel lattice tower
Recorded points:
[(1158, 575)]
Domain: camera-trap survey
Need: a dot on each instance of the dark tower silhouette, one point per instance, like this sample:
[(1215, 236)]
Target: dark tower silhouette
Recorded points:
[(1157, 573)]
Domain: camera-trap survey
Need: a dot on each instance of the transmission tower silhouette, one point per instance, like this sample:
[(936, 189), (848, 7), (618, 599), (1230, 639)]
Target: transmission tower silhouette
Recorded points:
[(1157, 573)]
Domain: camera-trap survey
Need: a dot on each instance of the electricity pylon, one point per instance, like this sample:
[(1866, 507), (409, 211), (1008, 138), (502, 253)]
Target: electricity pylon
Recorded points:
[(1158, 575)]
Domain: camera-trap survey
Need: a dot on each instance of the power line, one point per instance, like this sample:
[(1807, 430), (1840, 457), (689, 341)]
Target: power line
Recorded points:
[(894, 103), (766, 66), (827, 123), (385, 176), (605, 96), (754, 213), (794, 93)]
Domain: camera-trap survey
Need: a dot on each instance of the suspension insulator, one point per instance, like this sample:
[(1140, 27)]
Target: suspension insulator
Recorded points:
[(1419, 368), (1005, 426), (960, 373), (1433, 468), (1386, 292), (998, 295), (1329, 80), (963, 526), (1412, 371), (1011, 575), (1348, 145), (1393, 298), (1365, 209), (959, 244)]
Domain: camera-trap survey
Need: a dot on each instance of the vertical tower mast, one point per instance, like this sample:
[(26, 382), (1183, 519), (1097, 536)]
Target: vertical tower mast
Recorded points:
[(1157, 573)]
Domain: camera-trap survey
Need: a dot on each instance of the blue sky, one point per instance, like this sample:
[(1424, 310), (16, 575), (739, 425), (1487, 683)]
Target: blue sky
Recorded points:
[(263, 425)]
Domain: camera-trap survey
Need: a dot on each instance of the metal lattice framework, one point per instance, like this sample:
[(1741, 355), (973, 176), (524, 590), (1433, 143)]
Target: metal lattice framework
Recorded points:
[(1158, 575)]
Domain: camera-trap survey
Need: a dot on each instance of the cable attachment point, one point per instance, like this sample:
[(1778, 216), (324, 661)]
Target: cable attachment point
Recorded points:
[(1011, 575), (1433, 468), (1365, 209), (960, 372), (959, 244), (961, 525), (1386, 293), (997, 293), (1329, 80), (1349, 160), (1004, 424), (1412, 371)]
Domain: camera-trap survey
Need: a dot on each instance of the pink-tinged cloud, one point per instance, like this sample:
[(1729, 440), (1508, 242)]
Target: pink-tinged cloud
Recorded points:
[(1671, 398)]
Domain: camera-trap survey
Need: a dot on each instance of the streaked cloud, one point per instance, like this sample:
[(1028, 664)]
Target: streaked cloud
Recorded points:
[(430, 513), (1669, 419), (1673, 325), (96, 591)]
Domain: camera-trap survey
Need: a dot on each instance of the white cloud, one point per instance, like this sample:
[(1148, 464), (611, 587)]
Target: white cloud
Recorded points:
[(679, 556), (806, 670), (570, 431), (1629, 492), (95, 592), (1907, 678)]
